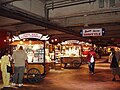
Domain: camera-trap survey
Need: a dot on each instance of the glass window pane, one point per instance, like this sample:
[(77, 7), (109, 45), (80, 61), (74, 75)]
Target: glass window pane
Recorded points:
[(112, 3), (101, 3)]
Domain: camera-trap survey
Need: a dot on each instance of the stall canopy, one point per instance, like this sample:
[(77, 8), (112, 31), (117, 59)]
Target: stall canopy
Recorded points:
[(21, 39)]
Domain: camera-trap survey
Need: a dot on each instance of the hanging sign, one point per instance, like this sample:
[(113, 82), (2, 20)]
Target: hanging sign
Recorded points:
[(30, 35), (92, 32)]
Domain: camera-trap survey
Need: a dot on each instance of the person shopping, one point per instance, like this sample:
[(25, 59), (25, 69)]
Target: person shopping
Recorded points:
[(19, 58)]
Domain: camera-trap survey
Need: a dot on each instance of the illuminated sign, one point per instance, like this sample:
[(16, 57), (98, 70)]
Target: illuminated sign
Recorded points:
[(92, 32), (30, 35)]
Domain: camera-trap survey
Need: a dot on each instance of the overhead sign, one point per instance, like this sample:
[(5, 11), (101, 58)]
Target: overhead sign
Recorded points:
[(30, 35), (92, 32), (71, 42)]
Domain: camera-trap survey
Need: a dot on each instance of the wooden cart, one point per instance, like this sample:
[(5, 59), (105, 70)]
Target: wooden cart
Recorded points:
[(75, 62), (35, 72)]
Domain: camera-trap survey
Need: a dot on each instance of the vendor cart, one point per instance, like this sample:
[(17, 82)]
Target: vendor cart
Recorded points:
[(37, 67), (74, 62), (35, 72)]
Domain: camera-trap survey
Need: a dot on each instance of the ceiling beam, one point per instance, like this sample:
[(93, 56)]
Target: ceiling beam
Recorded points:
[(19, 14), (13, 24), (8, 1), (66, 3)]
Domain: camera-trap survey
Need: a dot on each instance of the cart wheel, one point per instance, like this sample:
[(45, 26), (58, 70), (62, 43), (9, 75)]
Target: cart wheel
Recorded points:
[(33, 75), (76, 64)]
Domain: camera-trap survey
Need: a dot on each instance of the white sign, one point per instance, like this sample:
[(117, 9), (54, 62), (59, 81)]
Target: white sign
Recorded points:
[(45, 37), (92, 32), (30, 35), (71, 42)]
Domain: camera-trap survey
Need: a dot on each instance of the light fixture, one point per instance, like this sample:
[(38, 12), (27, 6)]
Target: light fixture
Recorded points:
[(55, 39)]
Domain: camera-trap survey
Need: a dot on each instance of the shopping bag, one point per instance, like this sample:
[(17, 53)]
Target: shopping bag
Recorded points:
[(119, 63), (9, 69)]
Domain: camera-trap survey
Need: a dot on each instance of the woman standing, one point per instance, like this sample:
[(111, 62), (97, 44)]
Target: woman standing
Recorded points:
[(5, 75)]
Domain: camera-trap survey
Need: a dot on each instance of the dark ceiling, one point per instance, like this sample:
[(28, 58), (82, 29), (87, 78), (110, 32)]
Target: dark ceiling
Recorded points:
[(18, 21)]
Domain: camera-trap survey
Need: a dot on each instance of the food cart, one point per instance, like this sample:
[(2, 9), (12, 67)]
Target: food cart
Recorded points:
[(74, 62), (71, 54), (74, 53), (38, 62)]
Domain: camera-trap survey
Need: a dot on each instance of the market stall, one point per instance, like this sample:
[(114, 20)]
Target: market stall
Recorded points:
[(38, 59), (71, 54)]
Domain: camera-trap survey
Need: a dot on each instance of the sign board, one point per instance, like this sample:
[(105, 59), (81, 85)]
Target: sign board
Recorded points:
[(71, 42), (92, 32), (30, 35)]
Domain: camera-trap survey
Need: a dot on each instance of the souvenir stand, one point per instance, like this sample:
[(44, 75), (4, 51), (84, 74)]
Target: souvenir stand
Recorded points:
[(38, 62)]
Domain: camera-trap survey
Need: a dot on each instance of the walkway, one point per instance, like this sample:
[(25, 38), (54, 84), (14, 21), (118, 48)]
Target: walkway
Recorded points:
[(76, 79)]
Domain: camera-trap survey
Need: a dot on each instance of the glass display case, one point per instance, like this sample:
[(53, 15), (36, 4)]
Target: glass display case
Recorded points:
[(35, 53)]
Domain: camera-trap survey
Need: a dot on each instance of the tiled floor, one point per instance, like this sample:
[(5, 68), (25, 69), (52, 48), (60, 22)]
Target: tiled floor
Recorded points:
[(76, 79)]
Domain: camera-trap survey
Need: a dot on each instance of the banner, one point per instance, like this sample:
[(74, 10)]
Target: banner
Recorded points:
[(30, 35)]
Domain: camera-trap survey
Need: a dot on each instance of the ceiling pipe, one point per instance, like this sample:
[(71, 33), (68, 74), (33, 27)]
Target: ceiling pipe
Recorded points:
[(50, 2), (63, 3), (53, 6), (19, 14), (105, 11)]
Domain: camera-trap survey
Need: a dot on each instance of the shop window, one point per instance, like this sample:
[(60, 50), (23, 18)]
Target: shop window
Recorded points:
[(101, 3), (112, 3)]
